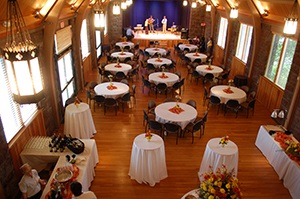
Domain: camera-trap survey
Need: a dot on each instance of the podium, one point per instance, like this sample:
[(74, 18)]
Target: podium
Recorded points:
[(184, 33)]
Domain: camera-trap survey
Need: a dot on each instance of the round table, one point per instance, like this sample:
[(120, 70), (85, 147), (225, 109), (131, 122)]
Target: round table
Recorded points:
[(157, 78), (125, 43), (148, 162), (158, 62), (191, 47), (193, 193), (215, 156), (122, 55), (204, 69), (238, 94), (164, 115), (101, 89), (194, 56), (152, 51), (114, 68), (79, 121)]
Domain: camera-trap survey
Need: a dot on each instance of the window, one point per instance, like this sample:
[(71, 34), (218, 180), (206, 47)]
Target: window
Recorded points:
[(13, 115), (84, 39), (244, 42), (66, 76), (222, 32), (98, 43), (280, 60)]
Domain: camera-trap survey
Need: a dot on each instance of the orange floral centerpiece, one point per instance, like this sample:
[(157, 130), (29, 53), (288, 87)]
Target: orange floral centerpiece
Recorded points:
[(148, 135), (76, 102), (196, 53), (122, 51), (209, 65), (220, 184), (163, 75), (224, 140), (177, 109), (228, 89)]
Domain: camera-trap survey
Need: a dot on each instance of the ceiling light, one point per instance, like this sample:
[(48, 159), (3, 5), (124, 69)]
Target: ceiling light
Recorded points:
[(291, 22), (234, 13)]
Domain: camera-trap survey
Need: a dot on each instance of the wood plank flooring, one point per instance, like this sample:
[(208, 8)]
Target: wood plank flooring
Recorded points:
[(115, 135)]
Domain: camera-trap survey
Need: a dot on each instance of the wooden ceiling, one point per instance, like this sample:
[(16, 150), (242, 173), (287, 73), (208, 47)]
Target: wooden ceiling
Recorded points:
[(278, 9)]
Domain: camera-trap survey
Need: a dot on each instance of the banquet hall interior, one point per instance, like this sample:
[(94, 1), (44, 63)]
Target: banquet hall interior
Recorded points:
[(71, 70)]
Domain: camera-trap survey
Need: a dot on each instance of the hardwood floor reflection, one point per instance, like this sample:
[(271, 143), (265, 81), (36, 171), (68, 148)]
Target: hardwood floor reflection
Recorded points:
[(115, 135)]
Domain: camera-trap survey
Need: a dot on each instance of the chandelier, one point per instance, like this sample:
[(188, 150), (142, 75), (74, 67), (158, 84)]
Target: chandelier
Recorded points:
[(21, 58), (291, 22)]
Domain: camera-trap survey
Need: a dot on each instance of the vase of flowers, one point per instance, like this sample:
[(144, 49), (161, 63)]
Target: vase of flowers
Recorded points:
[(76, 102), (148, 135), (178, 99), (224, 141), (220, 184)]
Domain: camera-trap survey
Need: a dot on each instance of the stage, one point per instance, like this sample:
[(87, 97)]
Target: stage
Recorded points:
[(165, 40)]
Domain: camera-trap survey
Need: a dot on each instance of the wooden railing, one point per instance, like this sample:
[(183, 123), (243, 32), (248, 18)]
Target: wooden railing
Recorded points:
[(36, 127), (269, 94)]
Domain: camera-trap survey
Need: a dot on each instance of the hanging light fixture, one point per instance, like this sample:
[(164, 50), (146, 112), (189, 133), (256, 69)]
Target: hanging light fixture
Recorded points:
[(208, 8), (291, 22), (185, 2), (123, 5), (99, 18), (21, 58), (116, 9), (234, 13), (194, 4), (128, 2)]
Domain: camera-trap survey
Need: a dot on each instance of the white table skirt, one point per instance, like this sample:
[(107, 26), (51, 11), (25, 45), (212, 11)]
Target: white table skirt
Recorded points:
[(238, 94), (79, 121), (172, 78), (287, 169), (125, 43), (194, 56), (148, 162), (152, 51), (124, 68), (101, 89), (157, 63), (191, 47), (163, 115), (202, 70), (122, 56), (215, 156)]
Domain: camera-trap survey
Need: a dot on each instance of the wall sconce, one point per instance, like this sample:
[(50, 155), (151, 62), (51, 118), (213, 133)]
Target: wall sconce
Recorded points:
[(128, 2), (194, 4), (265, 13), (116, 9), (99, 19), (123, 5), (208, 8), (185, 2), (291, 22), (279, 114), (37, 14), (21, 58), (234, 13)]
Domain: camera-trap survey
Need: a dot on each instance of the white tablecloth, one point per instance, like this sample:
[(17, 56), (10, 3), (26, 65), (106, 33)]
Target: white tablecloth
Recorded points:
[(125, 43), (79, 121), (238, 94), (191, 47), (215, 156), (152, 51), (122, 55), (172, 78), (193, 193), (203, 70), (36, 153), (163, 115), (287, 169), (148, 162), (101, 89), (124, 68), (157, 63), (194, 56)]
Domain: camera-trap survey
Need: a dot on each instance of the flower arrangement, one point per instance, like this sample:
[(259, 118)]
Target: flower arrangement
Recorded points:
[(224, 140), (77, 101), (293, 149), (148, 135), (221, 184), (110, 77)]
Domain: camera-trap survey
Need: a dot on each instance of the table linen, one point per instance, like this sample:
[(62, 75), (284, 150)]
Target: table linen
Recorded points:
[(191, 47), (238, 94), (125, 43), (169, 81), (157, 63), (192, 192), (194, 56), (163, 115), (203, 70), (286, 169), (125, 68), (215, 156), (152, 51), (79, 122), (122, 55), (122, 89), (148, 162)]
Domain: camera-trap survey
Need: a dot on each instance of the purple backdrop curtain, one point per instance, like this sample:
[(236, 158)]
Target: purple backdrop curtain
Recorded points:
[(142, 9)]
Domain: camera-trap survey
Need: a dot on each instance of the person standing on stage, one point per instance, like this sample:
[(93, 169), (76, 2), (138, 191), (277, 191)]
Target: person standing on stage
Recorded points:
[(164, 24), (151, 21), (146, 26)]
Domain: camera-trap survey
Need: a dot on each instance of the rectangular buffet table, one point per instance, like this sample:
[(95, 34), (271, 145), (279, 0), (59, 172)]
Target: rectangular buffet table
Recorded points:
[(287, 169), (38, 155)]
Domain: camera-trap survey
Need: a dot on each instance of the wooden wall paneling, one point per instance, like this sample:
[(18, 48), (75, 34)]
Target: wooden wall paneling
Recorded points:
[(36, 127), (237, 67), (87, 66), (218, 56), (269, 94)]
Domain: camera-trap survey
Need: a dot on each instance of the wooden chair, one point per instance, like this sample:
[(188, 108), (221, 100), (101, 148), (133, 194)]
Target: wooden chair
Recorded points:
[(171, 128)]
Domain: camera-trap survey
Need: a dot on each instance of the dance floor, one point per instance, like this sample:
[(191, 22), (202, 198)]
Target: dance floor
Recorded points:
[(166, 40)]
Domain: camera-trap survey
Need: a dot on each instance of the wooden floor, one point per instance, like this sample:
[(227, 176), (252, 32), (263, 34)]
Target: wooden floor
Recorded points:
[(115, 135)]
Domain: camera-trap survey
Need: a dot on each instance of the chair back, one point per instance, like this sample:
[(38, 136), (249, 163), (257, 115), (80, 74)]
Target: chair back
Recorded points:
[(205, 116), (99, 98), (120, 75), (215, 100), (151, 104), (126, 97), (192, 103), (232, 103), (93, 85), (161, 86), (252, 104), (209, 76), (197, 125), (156, 126), (124, 81), (110, 102)]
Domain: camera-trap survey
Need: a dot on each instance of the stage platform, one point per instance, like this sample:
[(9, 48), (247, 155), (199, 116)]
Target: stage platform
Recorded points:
[(165, 40)]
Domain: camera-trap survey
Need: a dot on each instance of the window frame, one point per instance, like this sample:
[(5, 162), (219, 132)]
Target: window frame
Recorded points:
[(222, 32), (244, 42)]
